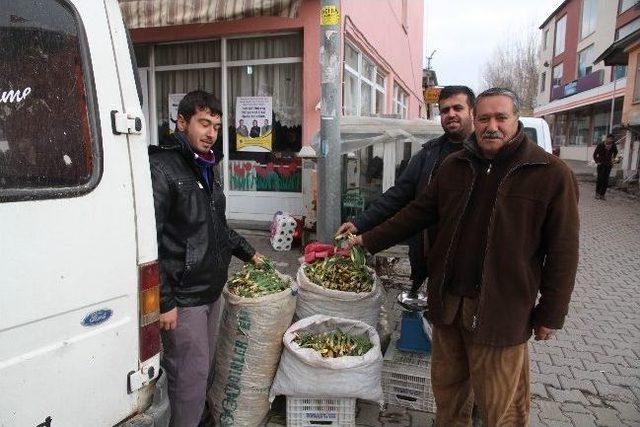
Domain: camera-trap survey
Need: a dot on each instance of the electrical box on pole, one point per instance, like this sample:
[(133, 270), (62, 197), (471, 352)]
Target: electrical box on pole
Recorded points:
[(329, 158)]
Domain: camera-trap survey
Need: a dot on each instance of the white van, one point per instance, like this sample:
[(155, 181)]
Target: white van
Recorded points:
[(79, 304), (538, 131)]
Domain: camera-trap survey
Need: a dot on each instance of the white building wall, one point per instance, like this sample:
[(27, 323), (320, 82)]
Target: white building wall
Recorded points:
[(545, 56)]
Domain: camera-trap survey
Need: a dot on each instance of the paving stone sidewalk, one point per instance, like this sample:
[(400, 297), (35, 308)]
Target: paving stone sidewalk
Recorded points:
[(590, 373)]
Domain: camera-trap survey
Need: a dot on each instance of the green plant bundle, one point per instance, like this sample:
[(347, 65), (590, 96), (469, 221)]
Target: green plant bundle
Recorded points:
[(342, 274), (334, 344), (255, 281)]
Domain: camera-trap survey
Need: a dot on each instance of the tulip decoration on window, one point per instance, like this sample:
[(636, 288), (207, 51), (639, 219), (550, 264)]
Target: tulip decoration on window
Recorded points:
[(243, 176), (279, 177)]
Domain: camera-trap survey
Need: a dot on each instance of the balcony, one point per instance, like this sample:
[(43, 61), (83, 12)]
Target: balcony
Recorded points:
[(587, 82)]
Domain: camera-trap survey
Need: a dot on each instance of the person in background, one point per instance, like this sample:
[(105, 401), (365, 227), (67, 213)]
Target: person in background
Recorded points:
[(456, 109), (507, 233), (605, 155), (242, 129), (266, 127), (255, 130), (195, 246)]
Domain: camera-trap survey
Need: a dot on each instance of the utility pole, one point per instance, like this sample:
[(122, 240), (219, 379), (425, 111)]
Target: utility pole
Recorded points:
[(329, 158), (613, 98)]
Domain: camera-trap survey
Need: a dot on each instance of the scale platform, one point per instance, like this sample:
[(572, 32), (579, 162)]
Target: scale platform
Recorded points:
[(414, 329)]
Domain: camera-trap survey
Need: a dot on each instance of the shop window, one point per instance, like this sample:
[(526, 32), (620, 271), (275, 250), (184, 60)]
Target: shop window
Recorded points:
[(585, 61), (589, 17), (363, 89), (560, 130), (578, 129), (561, 27), (400, 101), (600, 126), (142, 55), (262, 156), (47, 146), (187, 53), (284, 46)]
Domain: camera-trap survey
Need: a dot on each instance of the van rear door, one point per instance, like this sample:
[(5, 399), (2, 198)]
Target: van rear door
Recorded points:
[(69, 306)]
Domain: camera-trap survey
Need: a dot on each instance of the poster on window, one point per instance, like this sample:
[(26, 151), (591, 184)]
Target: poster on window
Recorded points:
[(174, 100), (253, 123)]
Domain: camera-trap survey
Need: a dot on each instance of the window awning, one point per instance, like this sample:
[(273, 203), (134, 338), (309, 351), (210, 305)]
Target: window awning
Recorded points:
[(616, 54), (164, 13), (358, 132)]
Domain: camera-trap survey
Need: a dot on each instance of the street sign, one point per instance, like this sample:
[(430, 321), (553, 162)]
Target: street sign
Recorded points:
[(431, 94)]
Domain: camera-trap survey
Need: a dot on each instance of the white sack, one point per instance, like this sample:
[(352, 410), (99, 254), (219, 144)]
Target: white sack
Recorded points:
[(303, 372), (314, 299)]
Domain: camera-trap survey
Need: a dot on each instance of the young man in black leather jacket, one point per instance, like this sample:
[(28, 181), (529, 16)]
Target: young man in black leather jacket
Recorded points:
[(195, 246)]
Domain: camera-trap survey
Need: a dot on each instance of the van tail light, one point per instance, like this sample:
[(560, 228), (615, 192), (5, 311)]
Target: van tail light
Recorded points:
[(149, 286)]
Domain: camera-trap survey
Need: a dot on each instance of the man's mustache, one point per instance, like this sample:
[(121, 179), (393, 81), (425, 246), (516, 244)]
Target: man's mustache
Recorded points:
[(493, 134)]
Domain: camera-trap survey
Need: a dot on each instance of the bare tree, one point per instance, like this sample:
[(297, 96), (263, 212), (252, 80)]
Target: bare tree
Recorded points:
[(514, 65)]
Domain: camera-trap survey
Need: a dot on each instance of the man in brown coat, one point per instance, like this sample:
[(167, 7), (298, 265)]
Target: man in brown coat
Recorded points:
[(506, 215)]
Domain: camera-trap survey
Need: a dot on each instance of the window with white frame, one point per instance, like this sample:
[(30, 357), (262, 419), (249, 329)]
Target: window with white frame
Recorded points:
[(585, 61), (589, 17), (557, 75), (363, 92), (400, 101), (627, 29), (561, 30)]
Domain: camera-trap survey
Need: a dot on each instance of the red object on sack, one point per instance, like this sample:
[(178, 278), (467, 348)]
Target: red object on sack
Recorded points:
[(317, 247), (315, 251)]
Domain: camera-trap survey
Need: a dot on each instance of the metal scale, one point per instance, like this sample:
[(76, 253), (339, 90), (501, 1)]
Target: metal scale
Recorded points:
[(413, 336)]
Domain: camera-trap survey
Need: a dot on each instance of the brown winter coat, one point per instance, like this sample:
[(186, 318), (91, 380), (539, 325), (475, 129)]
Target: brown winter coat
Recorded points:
[(532, 242)]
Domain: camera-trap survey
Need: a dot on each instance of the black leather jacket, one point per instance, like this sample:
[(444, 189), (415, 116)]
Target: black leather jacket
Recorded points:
[(195, 244)]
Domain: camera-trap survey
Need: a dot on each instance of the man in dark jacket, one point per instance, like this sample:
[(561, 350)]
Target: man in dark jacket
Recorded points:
[(507, 231), (195, 246), (604, 155), (456, 108)]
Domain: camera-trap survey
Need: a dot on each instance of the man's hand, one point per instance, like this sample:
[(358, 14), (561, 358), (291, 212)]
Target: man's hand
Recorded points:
[(347, 227), (353, 241), (169, 320), (257, 258), (542, 333)]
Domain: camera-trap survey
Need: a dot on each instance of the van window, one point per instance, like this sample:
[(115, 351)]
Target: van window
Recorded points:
[(48, 147), (532, 134)]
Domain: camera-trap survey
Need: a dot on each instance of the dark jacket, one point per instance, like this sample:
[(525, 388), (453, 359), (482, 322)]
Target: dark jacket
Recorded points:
[(408, 186), (195, 244), (605, 157), (531, 244)]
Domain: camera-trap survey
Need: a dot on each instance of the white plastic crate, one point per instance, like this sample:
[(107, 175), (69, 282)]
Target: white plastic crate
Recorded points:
[(308, 412), (406, 379)]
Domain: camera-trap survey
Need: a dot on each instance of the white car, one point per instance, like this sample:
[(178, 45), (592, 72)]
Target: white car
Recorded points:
[(79, 330), (538, 131)]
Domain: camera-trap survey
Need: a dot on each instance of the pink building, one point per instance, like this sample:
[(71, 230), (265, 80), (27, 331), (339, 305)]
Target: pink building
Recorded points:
[(267, 53)]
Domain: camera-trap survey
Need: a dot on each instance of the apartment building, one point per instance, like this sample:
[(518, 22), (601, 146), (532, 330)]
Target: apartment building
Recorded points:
[(582, 101)]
